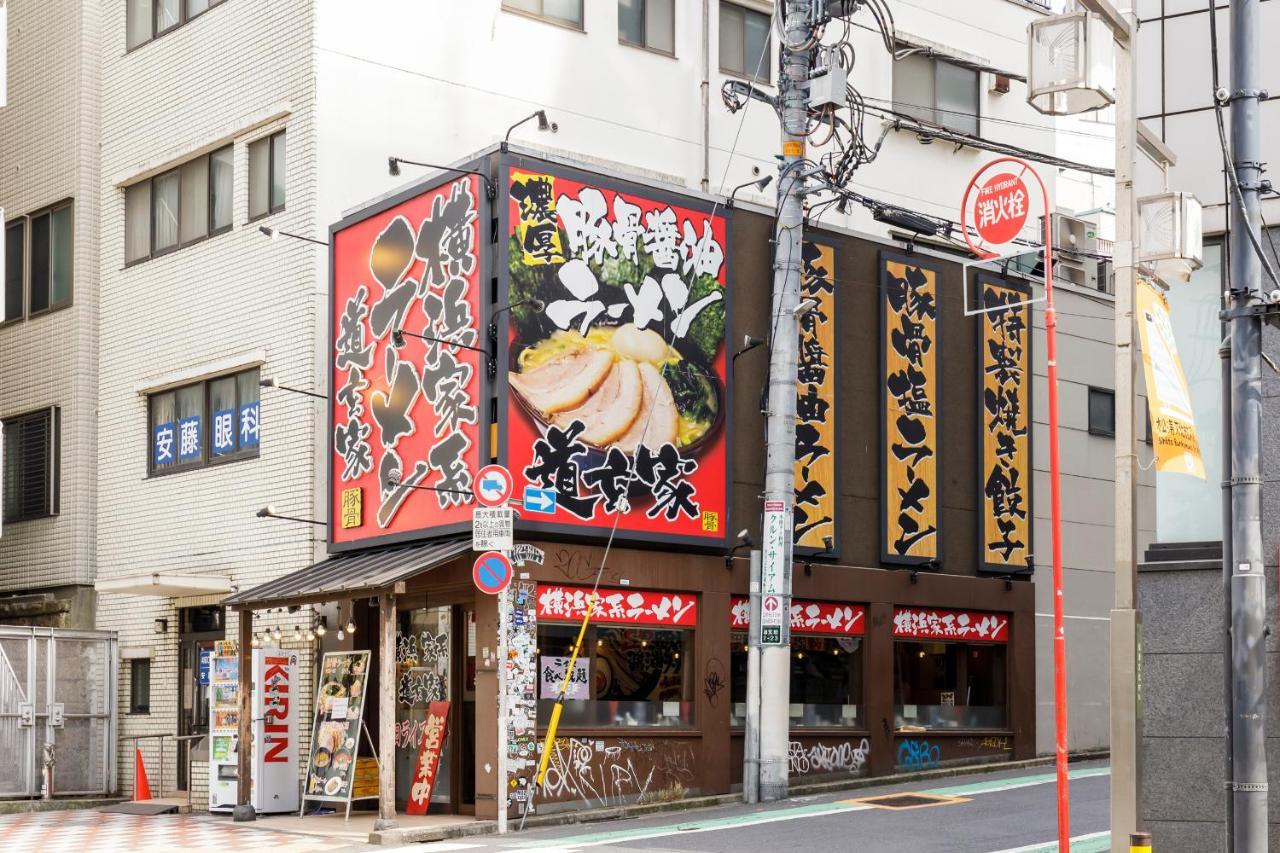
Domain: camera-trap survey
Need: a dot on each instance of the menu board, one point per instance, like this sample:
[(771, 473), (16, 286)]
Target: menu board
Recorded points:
[(335, 736)]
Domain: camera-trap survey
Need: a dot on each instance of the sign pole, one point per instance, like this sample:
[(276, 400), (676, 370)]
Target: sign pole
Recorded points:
[(504, 617)]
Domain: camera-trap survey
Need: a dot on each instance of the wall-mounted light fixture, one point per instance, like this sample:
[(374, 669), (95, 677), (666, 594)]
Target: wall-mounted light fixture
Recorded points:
[(544, 125), (161, 626), (393, 169)]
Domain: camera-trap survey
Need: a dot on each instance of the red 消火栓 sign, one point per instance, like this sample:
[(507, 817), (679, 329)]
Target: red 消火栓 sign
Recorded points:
[(618, 606), (809, 617), (927, 623)]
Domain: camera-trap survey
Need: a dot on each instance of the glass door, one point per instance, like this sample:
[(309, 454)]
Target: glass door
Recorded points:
[(199, 629), (424, 656)]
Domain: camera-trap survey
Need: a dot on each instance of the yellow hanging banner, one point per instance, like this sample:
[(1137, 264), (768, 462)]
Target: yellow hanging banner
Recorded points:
[(1173, 427)]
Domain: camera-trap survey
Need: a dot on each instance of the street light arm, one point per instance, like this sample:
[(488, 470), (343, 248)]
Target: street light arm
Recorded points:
[(1114, 17), (490, 364), (393, 167)]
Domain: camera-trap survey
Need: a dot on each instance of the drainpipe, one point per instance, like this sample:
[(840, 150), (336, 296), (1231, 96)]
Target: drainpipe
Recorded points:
[(706, 95)]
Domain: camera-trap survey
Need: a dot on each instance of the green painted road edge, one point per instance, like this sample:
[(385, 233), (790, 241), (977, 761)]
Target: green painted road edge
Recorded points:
[(993, 786), (392, 837)]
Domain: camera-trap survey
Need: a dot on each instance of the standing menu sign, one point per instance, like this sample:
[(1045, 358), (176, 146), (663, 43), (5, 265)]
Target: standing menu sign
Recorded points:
[(335, 735)]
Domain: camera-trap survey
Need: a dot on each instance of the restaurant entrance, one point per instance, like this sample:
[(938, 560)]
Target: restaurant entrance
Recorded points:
[(436, 662)]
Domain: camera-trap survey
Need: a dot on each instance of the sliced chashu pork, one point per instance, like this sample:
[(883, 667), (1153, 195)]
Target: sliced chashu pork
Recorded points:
[(655, 423), (611, 408), (564, 381)]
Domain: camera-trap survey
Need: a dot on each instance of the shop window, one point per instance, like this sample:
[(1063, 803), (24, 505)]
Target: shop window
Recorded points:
[(942, 685), (140, 686), (826, 681), (625, 676)]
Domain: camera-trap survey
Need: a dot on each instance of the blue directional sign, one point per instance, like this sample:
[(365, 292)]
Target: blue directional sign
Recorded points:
[(539, 500)]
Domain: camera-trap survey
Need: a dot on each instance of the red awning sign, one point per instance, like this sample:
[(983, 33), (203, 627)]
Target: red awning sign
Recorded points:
[(808, 617), (618, 606), (927, 623)]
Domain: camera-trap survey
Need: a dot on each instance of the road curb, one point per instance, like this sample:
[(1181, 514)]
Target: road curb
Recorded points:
[(390, 837)]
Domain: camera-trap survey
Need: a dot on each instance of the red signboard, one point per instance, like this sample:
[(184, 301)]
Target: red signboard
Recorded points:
[(613, 364), (927, 623), (424, 776), (1001, 208), (407, 412), (618, 606), (808, 617)]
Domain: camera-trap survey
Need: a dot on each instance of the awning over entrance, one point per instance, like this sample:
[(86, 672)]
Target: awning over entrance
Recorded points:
[(350, 575), (165, 585)]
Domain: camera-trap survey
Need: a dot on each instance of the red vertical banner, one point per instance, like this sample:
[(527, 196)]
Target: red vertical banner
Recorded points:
[(424, 774), (407, 401)]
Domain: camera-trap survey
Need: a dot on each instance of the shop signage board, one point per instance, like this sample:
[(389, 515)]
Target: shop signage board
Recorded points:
[(492, 529), (205, 666), (275, 730), (493, 485), (774, 574), (618, 606), (816, 410), (808, 617), (1004, 426), (335, 733), (616, 392), (492, 572), (927, 623), (909, 410), (1173, 425), (407, 412), (434, 733)]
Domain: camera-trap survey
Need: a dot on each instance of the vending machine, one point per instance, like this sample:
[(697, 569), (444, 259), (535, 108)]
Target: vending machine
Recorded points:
[(274, 703)]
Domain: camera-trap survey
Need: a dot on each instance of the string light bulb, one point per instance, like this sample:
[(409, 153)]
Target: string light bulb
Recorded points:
[(351, 626), (255, 642), (297, 634), (276, 635), (321, 630), (311, 636), (342, 635)]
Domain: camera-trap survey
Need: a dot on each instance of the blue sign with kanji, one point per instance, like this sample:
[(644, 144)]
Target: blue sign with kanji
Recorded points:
[(206, 663), (224, 431), (162, 444), (249, 424), (189, 438)]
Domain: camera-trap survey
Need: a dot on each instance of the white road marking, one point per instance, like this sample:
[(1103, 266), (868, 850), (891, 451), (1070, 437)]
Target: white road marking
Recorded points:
[(1045, 847)]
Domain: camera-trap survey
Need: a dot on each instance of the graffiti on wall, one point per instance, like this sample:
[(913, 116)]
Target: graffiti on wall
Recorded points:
[(918, 755), (813, 758), (610, 772)]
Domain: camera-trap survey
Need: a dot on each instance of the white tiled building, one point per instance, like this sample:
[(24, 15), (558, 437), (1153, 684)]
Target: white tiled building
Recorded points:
[(193, 293)]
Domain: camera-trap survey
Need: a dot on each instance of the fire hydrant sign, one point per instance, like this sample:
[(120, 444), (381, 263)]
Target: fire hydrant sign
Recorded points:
[(424, 777), (774, 572), (1001, 209), (492, 529)]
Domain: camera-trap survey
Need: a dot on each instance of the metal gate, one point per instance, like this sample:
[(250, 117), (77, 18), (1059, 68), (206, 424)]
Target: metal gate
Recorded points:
[(57, 687)]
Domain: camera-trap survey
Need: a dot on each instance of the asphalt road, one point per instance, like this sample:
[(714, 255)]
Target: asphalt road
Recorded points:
[(1007, 812)]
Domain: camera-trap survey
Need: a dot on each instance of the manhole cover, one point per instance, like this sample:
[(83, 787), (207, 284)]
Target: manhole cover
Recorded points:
[(908, 801)]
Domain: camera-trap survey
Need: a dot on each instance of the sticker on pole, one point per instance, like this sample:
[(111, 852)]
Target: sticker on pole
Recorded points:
[(493, 485), (492, 528), (491, 572), (771, 611)]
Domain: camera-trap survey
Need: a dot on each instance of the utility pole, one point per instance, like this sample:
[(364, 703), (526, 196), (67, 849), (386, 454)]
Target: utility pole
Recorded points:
[(780, 446), (1248, 590), (1126, 621)]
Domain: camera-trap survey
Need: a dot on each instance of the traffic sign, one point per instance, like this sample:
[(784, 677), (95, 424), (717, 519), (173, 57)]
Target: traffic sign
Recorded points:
[(492, 528), (493, 485), (539, 500), (771, 615), (491, 572)]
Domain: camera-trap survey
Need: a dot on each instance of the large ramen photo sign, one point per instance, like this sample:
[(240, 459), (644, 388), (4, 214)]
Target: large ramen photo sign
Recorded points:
[(613, 353)]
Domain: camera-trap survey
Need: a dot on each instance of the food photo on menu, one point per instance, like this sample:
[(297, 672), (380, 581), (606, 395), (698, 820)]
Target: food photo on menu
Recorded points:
[(337, 731)]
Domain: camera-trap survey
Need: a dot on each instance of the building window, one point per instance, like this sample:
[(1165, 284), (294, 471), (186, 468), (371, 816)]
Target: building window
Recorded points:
[(38, 259), (566, 12), (1102, 412), (937, 92), (179, 207), (826, 680), (140, 686), (944, 685), (204, 423), (31, 465), (147, 19), (648, 23), (744, 43), (266, 175), (625, 677)]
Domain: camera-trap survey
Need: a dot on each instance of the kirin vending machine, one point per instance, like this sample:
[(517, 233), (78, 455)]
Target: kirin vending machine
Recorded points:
[(274, 762)]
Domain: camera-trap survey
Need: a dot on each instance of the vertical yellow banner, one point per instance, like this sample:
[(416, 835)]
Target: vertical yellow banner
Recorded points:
[(1173, 426), (815, 468), (1004, 427), (909, 397)]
